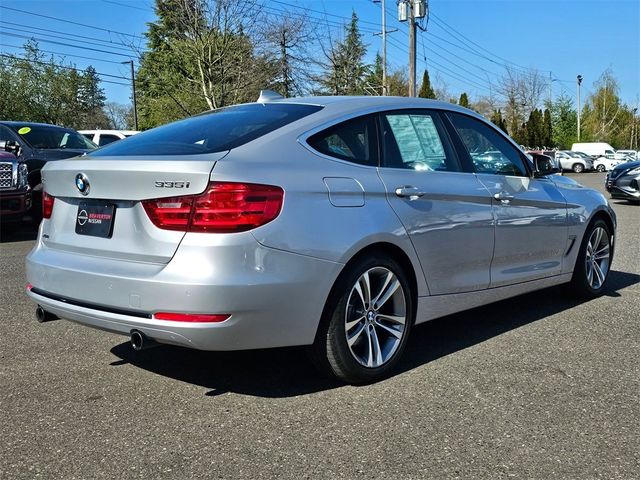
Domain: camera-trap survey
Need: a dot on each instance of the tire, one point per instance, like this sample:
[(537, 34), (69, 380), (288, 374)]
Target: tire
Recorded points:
[(357, 341), (591, 271), (577, 168), (601, 168)]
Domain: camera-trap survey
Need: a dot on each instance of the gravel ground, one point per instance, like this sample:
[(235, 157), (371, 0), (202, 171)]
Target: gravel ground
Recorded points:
[(540, 386)]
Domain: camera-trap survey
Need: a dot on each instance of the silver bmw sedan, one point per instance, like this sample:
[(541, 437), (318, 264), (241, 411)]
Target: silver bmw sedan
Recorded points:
[(333, 222)]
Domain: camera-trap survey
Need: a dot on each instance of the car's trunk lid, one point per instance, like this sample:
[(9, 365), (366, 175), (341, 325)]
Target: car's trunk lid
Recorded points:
[(121, 183)]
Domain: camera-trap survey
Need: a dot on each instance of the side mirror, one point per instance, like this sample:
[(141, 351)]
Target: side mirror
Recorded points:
[(12, 146), (544, 166)]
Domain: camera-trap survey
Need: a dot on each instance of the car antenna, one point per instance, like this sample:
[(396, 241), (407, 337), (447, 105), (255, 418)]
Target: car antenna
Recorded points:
[(268, 96)]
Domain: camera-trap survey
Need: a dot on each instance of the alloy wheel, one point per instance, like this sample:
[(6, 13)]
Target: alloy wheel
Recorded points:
[(601, 168), (597, 257), (375, 317)]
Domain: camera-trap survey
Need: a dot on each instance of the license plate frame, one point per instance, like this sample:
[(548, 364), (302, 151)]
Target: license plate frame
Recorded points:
[(95, 218)]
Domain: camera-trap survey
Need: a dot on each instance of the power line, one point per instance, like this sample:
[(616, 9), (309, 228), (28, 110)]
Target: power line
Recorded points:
[(64, 44), (66, 37), (450, 29), (70, 22), (83, 37), (29, 60), (21, 47)]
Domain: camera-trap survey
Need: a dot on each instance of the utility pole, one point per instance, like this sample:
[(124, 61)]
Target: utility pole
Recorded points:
[(133, 91), (412, 53), (410, 10), (579, 79), (550, 90), (384, 51)]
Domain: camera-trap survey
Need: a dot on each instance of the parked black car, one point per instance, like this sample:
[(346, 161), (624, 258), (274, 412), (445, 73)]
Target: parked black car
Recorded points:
[(624, 181), (37, 143)]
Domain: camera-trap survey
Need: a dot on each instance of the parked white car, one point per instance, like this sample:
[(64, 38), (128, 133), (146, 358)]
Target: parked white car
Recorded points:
[(571, 161), (604, 164), (632, 154), (105, 137)]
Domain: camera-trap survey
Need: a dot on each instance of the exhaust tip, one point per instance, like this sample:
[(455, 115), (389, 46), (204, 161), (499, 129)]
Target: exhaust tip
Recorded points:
[(139, 341), (43, 316)]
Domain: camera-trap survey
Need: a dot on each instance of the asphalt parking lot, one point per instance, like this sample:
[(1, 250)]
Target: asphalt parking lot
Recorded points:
[(540, 386)]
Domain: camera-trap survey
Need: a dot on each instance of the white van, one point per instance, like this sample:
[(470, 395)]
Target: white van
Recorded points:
[(595, 149)]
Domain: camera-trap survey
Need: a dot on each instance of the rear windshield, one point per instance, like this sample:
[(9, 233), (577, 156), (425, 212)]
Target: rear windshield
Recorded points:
[(214, 131), (52, 137)]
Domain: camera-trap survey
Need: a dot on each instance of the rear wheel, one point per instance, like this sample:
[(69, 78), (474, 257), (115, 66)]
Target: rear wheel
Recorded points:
[(594, 261), (366, 322), (577, 168), (601, 168)]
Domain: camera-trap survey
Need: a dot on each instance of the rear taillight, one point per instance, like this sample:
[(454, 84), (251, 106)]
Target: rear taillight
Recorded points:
[(223, 208), (47, 205)]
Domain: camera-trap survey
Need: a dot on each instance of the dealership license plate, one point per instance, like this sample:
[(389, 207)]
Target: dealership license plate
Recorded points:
[(95, 219)]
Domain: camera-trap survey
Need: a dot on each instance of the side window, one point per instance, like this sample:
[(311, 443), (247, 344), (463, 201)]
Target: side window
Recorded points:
[(4, 136), (354, 140), (411, 140), (106, 139), (489, 151)]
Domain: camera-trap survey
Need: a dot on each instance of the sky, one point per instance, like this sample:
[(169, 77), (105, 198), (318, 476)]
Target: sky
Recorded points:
[(466, 46)]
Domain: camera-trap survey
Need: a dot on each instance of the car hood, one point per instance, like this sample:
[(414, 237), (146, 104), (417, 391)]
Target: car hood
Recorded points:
[(58, 153), (628, 165)]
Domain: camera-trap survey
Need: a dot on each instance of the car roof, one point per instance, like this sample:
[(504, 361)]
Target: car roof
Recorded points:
[(349, 103)]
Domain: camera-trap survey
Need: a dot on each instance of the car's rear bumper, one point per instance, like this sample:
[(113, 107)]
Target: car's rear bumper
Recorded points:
[(274, 298)]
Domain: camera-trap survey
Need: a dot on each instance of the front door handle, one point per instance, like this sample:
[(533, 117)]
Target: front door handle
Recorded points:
[(409, 191), (504, 197)]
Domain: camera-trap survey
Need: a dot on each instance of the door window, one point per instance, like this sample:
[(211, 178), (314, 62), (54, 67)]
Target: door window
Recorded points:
[(106, 139), (490, 152), (412, 141)]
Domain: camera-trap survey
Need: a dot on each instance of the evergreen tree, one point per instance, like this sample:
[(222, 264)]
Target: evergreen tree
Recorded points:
[(373, 81), (464, 100), (564, 122), (499, 121), (426, 90), (346, 71)]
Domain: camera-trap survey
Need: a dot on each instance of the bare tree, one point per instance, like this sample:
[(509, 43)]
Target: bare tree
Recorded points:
[(521, 92), (120, 116), (288, 39), (218, 45)]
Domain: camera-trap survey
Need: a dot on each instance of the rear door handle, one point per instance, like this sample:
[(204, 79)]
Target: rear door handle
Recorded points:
[(409, 191), (504, 197)]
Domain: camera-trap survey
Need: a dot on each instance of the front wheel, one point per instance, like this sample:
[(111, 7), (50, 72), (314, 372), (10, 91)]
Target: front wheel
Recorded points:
[(366, 322), (601, 168), (594, 261), (577, 168)]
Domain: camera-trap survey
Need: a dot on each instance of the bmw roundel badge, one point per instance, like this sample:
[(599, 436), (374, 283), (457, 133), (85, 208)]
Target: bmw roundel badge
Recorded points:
[(82, 183)]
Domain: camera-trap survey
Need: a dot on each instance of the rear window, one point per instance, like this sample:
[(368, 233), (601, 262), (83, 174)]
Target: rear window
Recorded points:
[(214, 131)]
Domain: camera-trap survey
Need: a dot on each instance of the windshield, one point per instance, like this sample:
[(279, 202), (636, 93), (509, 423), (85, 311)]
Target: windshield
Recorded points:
[(214, 131), (51, 137)]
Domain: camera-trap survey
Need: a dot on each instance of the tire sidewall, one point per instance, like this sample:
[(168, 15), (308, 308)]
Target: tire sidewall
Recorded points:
[(579, 280), (341, 360), (578, 168)]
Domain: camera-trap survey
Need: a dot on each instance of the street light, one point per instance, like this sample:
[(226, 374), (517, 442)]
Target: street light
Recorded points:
[(579, 79), (133, 88)]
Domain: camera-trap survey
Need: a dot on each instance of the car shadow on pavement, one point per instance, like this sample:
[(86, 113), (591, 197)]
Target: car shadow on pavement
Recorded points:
[(286, 372)]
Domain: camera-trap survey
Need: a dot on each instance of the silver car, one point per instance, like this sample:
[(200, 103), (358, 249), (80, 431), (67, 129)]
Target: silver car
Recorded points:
[(333, 222)]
